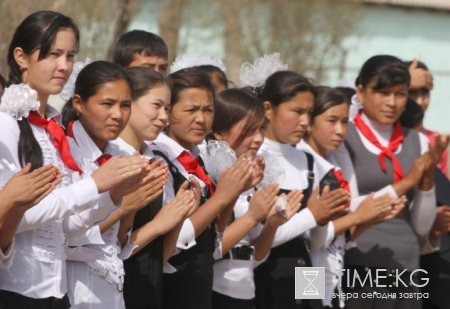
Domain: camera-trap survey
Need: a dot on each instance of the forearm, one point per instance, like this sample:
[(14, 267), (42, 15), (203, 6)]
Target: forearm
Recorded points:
[(207, 213), (113, 217), (224, 217), (263, 243), (144, 235), (423, 211), (8, 225), (126, 223), (237, 231), (170, 241)]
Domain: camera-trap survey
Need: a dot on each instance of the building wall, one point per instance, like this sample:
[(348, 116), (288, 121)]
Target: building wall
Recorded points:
[(407, 34)]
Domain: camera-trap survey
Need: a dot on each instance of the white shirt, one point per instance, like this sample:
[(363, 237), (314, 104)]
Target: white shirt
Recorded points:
[(293, 170), (234, 278), (7, 256), (39, 269), (97, 258)]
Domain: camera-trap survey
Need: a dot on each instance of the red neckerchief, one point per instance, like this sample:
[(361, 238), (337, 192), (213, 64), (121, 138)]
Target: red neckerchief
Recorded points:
[(395, 141), (192, 166), (59, 138)]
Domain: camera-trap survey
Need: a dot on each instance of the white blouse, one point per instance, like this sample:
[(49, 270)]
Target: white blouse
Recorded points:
[(39, 269)]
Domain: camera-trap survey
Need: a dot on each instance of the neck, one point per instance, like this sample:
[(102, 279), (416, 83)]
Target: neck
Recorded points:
[(268, 133), (129, 136), (43, 103), (312, 143)]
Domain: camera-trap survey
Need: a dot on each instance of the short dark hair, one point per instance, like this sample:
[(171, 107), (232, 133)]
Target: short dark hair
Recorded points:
[(284, 85), (326, 98), (233, 105), (385, 71), (138, 42), (143, 80)]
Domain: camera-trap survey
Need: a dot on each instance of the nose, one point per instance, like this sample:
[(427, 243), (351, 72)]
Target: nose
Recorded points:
[(200, 117), (163, 116), (63, 64), (116, 112), (304, 120), (258, 138), (390, 100)]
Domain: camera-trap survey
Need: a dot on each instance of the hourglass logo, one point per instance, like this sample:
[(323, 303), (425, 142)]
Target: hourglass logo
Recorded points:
[(309, 282)]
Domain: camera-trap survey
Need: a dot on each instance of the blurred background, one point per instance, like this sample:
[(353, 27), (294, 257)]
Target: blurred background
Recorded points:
[(326, 40)]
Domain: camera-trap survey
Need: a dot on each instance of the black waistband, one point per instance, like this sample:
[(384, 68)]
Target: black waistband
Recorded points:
[(239, 253)]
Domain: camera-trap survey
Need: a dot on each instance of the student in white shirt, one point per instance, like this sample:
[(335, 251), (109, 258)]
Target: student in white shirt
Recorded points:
[(329, 121), (240, 127), (155, 227), (41, 57), (22, 191), (102, 99), (288, 100), (190, 119)]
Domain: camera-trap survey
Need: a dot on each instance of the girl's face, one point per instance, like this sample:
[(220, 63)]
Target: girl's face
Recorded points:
[(288, 122), (328, 129), (48, 75), (384, 106), (106, 113), (149, 116), (249, 145), (191, 118)]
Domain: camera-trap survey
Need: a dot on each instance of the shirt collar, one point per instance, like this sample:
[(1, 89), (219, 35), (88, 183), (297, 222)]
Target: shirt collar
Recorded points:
[(171, 148)]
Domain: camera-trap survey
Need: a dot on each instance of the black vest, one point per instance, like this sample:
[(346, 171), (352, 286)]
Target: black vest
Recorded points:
[(143, 271), (191, 285)]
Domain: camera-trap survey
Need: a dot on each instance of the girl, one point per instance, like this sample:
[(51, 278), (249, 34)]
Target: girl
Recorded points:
[(240, 127), (153, 233), (41, 56), (328, 128), (102, 99), (382, 152), (190, 119), (288, 100)]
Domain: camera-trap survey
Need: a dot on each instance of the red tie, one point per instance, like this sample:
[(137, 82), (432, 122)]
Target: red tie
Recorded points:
[(396, 139), (343, 183), (192, 166), (103, 159), (59, 138), (100, 160)]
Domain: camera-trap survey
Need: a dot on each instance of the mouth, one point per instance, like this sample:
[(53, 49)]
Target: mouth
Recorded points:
[(59, 79), (199, 131)]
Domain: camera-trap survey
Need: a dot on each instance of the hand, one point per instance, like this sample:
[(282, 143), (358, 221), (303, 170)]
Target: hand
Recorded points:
[(441, 142), (118, 169), (396, 207), (196, 189), (262, 202), (151, 187), (374, 209), (26, 189), (420, 78), (442, 222), (156, 174), (174, 212), (329, 206), (234, 180), (293, 203), (258, 171)]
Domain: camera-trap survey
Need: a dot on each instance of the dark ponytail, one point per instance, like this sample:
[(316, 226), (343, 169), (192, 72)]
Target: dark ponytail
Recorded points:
[(37, 31)]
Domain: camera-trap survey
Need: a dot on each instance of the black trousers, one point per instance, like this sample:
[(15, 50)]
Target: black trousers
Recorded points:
[(11, 300), (220, 301)]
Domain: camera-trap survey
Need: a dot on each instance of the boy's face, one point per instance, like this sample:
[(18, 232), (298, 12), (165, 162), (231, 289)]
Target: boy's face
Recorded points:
[(157, 63)]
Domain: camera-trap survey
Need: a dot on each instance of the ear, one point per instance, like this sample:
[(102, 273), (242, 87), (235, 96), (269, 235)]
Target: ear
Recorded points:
[(268, 110), (218, 136), (360, 93), (21, 58), (77, 104)]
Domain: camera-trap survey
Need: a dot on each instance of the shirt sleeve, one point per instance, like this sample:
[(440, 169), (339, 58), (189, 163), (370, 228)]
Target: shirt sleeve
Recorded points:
[(7, 256), (300, 223), (61, 203), (80, 222)]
